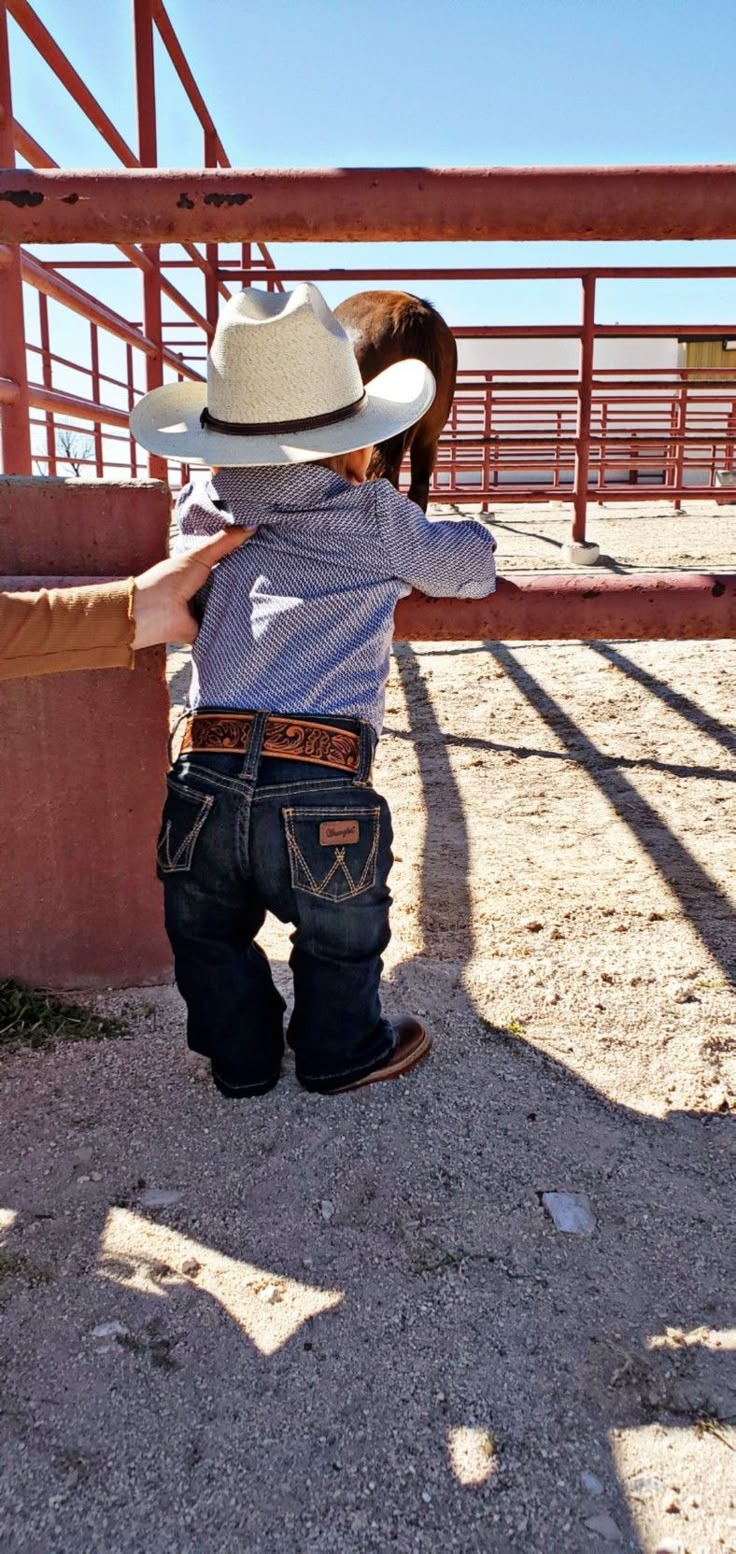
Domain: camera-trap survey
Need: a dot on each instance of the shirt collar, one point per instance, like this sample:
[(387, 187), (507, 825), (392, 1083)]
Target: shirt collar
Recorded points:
[(277, 485)]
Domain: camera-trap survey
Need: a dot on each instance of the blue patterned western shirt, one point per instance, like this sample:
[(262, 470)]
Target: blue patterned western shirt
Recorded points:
[(300, 619)]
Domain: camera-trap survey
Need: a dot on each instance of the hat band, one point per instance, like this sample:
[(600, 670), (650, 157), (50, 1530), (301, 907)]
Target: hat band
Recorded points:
[(272, 428)]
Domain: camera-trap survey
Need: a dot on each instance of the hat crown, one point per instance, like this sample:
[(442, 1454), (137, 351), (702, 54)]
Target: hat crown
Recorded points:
[(280, 357)]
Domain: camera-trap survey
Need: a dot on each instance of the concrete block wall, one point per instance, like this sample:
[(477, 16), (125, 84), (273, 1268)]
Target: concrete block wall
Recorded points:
[(83, 756)]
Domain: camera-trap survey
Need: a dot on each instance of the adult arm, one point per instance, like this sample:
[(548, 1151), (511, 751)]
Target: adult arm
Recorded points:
[(101, 625)]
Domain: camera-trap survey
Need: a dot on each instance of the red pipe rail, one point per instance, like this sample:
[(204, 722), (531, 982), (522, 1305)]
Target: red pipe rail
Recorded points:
[(648, 204), (542, 608), (534, 608)]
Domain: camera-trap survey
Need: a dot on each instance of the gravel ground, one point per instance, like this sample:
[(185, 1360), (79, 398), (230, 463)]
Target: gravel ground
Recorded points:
[(349, 1325)]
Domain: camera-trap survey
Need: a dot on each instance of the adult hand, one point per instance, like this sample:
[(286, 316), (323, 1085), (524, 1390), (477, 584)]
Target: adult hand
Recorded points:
[(161, 595)]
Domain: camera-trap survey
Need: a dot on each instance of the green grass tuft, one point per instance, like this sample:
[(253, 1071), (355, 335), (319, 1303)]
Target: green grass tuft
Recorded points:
[(36, 1019)]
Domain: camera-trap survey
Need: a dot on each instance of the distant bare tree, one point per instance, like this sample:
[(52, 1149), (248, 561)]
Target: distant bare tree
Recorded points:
[(73, 448)]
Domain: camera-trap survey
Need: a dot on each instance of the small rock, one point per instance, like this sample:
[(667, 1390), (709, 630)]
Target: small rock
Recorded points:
[(96, 1176), (680, 992), (270, 1294), (570, 1211), (533, 925), (551, 996), (605, 1527), (327, 1208), (158, 1197), (591, 1484), (644, 1484), (670, 1502), (112, 1329), (427, 1498), (191, 1268), (81, 1179)]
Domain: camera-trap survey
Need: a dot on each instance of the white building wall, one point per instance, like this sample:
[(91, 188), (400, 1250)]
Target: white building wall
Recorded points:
[(559, 355), (549, 355)]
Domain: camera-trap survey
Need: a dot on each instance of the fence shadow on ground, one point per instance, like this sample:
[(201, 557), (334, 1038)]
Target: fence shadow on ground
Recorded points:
[(584, 1362), (342, 1293), (702, 901)]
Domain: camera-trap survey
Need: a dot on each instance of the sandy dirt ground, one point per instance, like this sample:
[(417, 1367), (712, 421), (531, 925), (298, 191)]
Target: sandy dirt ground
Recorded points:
[(349, 1325)]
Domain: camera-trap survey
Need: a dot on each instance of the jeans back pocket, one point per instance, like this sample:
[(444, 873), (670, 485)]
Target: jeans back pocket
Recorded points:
[(185, 812), (333, 852)]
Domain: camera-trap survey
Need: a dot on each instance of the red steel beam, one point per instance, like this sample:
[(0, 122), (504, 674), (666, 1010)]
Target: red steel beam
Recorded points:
[(70, 404), (373, 204), (545, 608), (464, 273), (145, 88), (181, 65), (38, 157), (232, 271), (15, 433), (56, 59), (37, 275), (602, 332)]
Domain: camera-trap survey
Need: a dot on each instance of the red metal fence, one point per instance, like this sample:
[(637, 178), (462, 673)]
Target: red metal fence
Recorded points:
[(513, 435), (18, 395)]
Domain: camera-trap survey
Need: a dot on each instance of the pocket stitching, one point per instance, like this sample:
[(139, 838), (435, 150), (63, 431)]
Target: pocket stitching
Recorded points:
[(355, 888), (182, 858)]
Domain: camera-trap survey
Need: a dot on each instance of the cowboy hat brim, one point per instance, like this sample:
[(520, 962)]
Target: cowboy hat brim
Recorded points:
[(167, 422)]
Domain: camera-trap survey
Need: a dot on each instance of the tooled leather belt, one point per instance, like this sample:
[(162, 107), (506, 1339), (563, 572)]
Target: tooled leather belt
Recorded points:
[(291, 739)]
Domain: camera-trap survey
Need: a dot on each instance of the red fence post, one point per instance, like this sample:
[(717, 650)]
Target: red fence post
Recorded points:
[(145, 87), (15, 431), (602, 451), (729, 454), (48, 380), (680, 453), (97, 397), (585, 398), (487, 428), (131, 401)]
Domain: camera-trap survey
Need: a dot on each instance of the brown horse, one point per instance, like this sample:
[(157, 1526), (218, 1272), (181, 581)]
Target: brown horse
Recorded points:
[(386, 327)]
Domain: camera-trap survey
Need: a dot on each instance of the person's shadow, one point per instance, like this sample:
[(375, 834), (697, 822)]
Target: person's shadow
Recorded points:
[(354, 1326)]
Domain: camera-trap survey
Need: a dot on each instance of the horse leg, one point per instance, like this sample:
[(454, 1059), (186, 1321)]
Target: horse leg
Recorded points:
[(387, 459), (423, 454)]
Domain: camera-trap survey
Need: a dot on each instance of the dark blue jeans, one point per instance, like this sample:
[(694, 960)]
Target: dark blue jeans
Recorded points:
[(243, 835)]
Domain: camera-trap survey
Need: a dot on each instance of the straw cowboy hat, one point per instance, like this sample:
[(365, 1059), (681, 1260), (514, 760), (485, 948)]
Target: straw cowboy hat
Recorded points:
[(283, 387)]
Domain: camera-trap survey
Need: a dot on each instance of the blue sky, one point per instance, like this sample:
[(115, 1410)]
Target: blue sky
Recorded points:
[(399, 82)]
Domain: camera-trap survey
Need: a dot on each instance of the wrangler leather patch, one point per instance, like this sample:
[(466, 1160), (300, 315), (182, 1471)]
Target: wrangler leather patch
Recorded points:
[(338, 833)]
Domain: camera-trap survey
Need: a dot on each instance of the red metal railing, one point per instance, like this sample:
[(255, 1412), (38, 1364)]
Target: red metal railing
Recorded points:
[(149, 339), (512, 435), (557, 434)]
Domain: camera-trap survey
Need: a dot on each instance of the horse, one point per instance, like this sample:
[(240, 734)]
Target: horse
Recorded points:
[(386, 327)]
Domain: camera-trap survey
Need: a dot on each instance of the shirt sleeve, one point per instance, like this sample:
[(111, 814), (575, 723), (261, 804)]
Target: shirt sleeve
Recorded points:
[(59, 629), (445, 558)]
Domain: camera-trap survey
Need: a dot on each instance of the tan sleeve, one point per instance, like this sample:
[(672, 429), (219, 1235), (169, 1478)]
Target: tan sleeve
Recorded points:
[(59, 629)]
